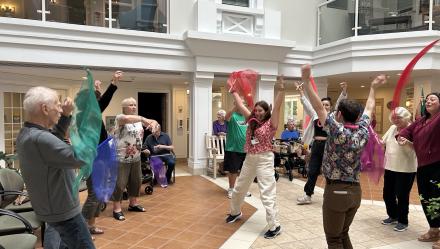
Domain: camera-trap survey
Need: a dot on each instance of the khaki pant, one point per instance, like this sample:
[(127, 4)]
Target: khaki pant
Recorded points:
[(129, 176), (341, 202), (261, 166)]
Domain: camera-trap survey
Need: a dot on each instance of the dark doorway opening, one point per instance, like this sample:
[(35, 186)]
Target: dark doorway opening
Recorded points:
[(153, 106)]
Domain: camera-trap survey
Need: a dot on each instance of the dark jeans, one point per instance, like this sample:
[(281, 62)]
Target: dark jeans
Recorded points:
[(396, 189), (74, 233), (91, 207), (427, 179), (341, 202), (170, 161), (314, 168)]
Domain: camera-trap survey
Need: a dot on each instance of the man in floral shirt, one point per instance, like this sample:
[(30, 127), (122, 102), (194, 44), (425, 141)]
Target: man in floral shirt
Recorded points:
[(347, 136)]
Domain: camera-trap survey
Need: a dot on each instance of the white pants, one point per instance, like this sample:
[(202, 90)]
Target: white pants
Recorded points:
[(261, 166)]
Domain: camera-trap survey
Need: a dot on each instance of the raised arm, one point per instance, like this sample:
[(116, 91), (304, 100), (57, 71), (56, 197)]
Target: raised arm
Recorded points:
[(104, 101), (343, 94), (314, 98), (371, 101), (240, 106), (229, 114), (123, 119), (308, 108), (277, 103), (60, 129)]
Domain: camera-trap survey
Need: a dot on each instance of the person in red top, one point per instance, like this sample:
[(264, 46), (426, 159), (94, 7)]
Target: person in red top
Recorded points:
[(424, 135), (259, 162)]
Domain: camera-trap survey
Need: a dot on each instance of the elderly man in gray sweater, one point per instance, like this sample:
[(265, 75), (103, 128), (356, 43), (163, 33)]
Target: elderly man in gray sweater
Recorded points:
[(48, 166)]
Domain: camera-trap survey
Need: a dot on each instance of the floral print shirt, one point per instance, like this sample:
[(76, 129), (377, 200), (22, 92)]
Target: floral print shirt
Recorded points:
[(264, 135), (129, 141), (343, 149)]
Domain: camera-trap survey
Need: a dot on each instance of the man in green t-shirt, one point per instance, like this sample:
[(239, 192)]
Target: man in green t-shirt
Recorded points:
[(234, 149)]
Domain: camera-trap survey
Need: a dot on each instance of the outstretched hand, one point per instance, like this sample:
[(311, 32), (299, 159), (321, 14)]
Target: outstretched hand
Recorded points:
[(280, 80), (117, 76), (306, 72), (67, 107), (380, 80), (343, 86)]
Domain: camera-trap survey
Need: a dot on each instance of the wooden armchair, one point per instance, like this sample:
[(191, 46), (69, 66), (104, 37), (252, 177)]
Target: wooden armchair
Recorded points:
[(216, 152)]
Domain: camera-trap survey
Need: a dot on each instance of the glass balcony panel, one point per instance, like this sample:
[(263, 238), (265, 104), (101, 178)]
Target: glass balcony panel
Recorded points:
[(336, 21), (384, 16), (148, 15), (87, 12), (435, 15), (242, 3), (20, 9)]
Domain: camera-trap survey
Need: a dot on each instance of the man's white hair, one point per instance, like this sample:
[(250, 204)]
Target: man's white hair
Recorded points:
[(36, 96)]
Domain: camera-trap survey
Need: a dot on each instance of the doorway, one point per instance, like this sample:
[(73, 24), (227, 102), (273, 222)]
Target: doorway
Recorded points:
[(154, 106)]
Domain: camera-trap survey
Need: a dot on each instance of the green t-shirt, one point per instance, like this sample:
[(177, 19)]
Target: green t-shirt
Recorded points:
[(236, 136)]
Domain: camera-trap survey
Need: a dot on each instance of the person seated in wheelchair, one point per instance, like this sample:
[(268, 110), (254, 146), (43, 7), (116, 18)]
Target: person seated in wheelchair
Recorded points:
[(159, 145), (290, 149)]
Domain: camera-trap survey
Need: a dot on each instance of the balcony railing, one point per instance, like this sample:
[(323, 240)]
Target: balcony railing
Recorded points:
[(339, 19), (143, 15)]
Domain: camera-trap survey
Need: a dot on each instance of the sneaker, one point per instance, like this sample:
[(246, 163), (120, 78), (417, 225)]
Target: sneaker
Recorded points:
[(233, 218), (248, 194), (389, 221), (400, 227), (304, 200), (230, 192), (272, 234)]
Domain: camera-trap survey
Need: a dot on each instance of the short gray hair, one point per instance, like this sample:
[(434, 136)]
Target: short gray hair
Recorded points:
[(221, 112), (36, 96), (126, 102), (401, 112)]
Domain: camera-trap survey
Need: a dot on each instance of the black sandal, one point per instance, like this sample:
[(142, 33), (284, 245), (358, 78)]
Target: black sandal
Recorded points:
[(118, 215), (136, 208)]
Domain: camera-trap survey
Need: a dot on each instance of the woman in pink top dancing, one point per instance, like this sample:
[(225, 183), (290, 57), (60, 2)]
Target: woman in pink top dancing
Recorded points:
[(259, 162)]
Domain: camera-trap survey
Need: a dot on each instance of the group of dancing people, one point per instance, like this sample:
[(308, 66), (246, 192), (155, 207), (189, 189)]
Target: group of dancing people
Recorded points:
[(338, 138)]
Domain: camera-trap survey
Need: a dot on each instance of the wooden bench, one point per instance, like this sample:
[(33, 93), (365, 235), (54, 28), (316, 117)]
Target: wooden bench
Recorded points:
[(216, 152)]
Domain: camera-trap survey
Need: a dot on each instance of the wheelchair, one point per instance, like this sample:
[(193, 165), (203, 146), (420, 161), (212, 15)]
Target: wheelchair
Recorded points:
[(288, 157)]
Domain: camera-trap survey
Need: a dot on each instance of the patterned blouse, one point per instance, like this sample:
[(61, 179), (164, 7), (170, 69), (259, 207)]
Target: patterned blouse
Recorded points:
[(264, 134), (343, 149)]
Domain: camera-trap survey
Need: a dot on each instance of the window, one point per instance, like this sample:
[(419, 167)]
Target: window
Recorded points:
[(13, 117), (242, 3)]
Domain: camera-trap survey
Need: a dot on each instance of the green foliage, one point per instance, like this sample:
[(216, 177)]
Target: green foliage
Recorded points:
[(433, 208)]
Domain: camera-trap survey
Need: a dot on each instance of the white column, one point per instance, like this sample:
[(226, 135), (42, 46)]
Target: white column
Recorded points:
[(321, 86), (200, 120), (265, 89), (428, 83)]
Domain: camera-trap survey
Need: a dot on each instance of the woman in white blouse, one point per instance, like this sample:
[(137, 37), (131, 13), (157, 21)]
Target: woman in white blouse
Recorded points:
[(400, 171)]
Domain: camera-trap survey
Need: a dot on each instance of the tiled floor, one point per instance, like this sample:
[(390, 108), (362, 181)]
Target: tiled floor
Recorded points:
[(190, 214), (187, 214)]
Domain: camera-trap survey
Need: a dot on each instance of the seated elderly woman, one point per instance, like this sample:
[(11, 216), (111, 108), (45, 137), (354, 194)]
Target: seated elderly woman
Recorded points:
[(220, 126)]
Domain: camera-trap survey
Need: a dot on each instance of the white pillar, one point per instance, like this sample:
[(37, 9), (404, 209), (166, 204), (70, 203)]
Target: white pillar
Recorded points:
[(321, 86), (200, 120), (265, 89)]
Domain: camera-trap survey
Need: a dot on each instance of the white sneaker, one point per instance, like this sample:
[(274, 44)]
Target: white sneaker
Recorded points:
[(304, 200), (230, 192)]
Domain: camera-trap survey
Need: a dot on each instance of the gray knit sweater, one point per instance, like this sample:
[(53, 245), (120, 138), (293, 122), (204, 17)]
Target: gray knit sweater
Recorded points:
[(48, 167)]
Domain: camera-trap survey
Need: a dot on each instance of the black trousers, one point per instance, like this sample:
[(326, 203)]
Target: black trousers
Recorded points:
[(314, 168), (396, 189), (427, 179)]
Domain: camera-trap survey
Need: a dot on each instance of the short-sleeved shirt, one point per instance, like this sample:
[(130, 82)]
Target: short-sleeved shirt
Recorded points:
[(343, 149), (236, 136), (129, 138), (264, 134), (290, 135), (398, 158), (152, 141), (217, 127)]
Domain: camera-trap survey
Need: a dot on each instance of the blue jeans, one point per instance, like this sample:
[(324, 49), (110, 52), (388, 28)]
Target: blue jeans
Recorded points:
[(71, 234)]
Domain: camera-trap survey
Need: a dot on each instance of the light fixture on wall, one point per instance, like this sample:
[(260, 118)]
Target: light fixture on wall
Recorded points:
[(6, 10), (187, 91)]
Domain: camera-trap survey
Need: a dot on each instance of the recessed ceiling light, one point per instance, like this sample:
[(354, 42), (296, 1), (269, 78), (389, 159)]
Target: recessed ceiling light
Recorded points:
[(362, 86), (186, 82)]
